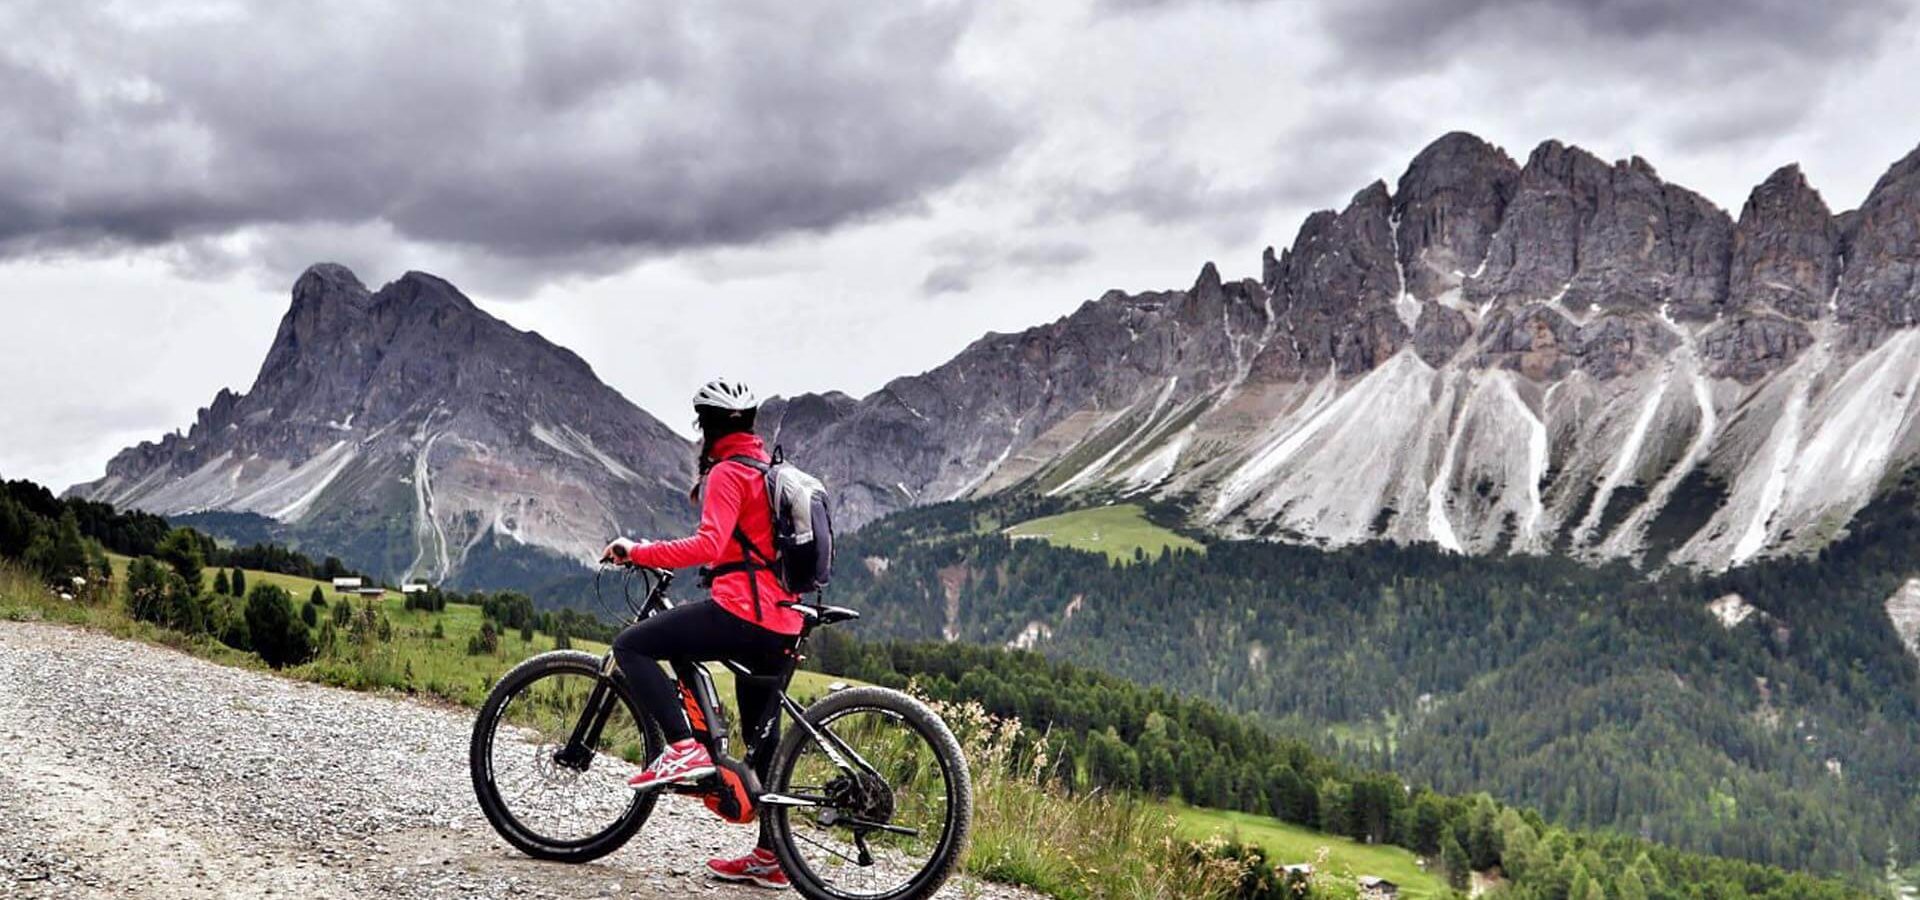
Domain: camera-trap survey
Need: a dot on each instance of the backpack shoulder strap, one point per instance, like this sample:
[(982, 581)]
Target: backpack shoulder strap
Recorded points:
[(750, 552), (750, 462)]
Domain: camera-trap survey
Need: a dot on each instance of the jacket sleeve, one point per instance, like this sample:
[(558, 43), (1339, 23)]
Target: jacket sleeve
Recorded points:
[(719, 512)]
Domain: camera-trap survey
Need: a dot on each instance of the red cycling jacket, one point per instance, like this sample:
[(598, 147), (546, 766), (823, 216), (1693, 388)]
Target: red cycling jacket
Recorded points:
[(734, 494)]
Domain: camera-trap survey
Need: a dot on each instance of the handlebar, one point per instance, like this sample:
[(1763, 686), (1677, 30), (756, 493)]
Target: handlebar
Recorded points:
[(618, 565), (656, 580)]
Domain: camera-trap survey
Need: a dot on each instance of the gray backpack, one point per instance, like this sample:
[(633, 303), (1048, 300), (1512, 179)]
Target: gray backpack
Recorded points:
[(802, 558)]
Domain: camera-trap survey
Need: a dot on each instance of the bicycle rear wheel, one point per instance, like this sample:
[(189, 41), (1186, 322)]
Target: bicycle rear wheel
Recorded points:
[(896, 827), (539, 783)]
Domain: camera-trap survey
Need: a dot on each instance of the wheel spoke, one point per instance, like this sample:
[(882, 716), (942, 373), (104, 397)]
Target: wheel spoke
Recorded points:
[(555, 805)]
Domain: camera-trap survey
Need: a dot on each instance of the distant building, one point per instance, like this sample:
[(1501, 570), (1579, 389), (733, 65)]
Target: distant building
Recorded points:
[(1373, 887), (371, 591), (418, 587), (346, 585)]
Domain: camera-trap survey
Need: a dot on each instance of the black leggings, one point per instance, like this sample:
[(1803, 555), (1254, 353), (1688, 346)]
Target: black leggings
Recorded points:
[(704, 631)]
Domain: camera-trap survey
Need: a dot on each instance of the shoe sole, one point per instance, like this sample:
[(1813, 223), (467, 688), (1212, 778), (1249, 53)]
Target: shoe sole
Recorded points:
[(746, 879), (682, 778)]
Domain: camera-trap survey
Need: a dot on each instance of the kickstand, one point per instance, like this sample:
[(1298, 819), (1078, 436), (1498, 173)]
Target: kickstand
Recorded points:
[(866, 855)]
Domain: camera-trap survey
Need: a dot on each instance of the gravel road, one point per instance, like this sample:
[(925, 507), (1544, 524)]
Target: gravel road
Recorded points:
[(128, 770)]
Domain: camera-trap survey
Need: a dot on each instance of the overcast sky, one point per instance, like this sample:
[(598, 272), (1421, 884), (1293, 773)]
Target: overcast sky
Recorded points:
[(807, 196)]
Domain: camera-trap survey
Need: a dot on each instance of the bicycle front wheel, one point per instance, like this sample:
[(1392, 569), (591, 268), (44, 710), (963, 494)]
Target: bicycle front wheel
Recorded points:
[(890, 825), (551, 753)]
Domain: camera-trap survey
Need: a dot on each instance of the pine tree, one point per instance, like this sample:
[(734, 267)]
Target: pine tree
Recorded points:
[(60, 555), (318, 597), (310, 614), (1483, 838), (278, 638), (220, 585), (181, 550), (1584, 887), (239, 582), (1453, 858)]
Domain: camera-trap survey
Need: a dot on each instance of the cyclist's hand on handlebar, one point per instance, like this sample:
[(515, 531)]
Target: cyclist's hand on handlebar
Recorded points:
[(616, 552)]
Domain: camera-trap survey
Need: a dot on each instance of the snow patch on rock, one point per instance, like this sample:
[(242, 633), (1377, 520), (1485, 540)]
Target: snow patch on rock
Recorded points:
[(1732, 610), (1903, 610)]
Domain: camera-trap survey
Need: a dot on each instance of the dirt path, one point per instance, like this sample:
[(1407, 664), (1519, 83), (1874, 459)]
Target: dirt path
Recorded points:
[(128, 770)]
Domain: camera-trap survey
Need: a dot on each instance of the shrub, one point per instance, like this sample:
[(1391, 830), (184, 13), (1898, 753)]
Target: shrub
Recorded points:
[(220, 583), (318, 597), (181, 550), (484, 642), (228, 624), (162, 597), (60, 555), (240, 582), (310, 614), (278, 638)]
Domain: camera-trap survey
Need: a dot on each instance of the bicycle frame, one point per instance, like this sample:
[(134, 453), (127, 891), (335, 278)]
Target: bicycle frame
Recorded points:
[(701, 702)]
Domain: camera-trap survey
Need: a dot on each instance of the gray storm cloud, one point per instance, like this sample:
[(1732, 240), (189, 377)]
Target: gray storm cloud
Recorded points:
[(560, 138)]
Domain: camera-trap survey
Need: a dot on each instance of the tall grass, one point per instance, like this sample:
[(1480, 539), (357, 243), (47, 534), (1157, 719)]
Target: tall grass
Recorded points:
[(1028, 830)]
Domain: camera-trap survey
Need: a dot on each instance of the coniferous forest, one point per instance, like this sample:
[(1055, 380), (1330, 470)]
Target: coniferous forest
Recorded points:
[(1601, 696)]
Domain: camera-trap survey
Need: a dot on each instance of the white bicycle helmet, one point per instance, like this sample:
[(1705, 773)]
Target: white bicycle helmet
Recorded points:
[(723, 394)]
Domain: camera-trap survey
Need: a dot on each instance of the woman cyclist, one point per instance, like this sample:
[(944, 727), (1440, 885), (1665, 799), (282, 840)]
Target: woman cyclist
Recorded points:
[(748, 620)]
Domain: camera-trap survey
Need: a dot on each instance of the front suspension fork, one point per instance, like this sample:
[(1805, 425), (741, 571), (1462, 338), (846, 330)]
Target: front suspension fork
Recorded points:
[(578, 752)]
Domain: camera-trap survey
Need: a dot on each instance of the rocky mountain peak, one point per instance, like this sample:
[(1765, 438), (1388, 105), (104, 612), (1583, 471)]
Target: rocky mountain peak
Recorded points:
[(1878, 288), (1448, 204), (1208, 280), (1786, 248), (1607, 237), (1270, 269), (414, 434), (326, 283)]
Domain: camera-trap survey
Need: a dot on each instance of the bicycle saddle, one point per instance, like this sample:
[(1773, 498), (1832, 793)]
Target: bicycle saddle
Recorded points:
[(825, 615)]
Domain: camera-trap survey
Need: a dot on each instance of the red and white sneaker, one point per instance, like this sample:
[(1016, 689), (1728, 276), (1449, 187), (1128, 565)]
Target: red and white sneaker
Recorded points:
[(758, 867), (680, 763)]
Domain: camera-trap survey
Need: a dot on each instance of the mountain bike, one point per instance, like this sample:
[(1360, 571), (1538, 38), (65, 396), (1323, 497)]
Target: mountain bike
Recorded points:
[(867, 796)]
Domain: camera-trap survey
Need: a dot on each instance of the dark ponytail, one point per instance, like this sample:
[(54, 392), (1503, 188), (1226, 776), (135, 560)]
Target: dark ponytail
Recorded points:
[(716, 423)]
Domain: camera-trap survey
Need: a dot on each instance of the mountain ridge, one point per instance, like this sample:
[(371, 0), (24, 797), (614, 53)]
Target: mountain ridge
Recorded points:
[(1561, 355), (1557, 350)]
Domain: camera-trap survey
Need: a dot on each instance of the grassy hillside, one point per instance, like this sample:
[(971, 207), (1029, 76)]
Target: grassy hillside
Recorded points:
[(427, 652), (1121, 531), (1331, 855)]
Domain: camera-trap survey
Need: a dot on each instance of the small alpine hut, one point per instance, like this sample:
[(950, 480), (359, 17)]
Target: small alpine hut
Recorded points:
[(1373, 887), (346, 585)]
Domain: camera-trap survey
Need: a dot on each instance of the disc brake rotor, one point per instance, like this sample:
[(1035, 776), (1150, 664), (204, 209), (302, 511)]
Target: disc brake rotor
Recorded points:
[(861, 796)]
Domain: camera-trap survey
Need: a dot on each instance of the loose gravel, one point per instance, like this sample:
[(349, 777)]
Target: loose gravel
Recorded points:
[(128, 770)]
